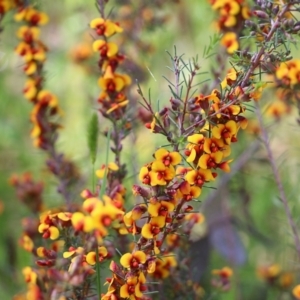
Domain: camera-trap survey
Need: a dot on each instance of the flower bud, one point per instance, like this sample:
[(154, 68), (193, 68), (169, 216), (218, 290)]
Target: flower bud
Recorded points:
[(260, 14), (175, 103)]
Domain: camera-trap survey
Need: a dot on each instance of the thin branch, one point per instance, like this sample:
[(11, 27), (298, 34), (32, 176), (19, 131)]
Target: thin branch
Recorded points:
[(283, 198)]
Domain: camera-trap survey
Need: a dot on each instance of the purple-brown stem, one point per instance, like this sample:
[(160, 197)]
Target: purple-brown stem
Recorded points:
[(283, 198)]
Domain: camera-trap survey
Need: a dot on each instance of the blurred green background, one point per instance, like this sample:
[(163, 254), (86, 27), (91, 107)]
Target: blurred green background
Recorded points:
[(251, 195)]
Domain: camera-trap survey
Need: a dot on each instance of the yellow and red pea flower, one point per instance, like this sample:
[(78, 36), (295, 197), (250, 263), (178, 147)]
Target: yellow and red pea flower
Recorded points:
[(199, 176), (164, 265), (32, 16), (105, 169), (115, 84), (230, 42), (28, 34), (26, 243), (82, 222), (91, 257), (160, 174), (162, 208), (133, 260), (289, 72), (168, 158), (5, 5), (105, 49), (133, 287), (188, 192), (30, 89), (105, 27), (30, 276), (225, 131), (195, 147), (153, 228)]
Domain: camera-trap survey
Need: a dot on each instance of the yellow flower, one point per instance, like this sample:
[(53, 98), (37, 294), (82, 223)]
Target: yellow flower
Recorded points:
[(105, 27), (91, 257), (230, 42), (132, 261), (168, 158)]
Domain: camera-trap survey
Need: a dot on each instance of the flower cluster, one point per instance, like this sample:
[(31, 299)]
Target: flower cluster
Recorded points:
[(33, 53), (287, 82), (172, 181), (275, 276), (70, 243), (232, 15), (112, 98)]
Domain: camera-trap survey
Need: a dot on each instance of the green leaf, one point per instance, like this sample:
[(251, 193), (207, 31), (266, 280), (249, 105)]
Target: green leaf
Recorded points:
[(93, 131)]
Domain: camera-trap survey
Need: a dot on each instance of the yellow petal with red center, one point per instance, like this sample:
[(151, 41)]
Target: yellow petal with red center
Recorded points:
[(246, 13), (20, 15), (24, 50), (169, 206), (110, 29), (137, 291), (191, 176), (77, 218), (155, 179), (125, 260), (29, 275), (40, 252), (229, 40), (96, 22), (217, 156), (30, 68), (54, 232), (146, 231), (195, 191), (217, 131), (42, 227), (140, 256), (98, 44), (30, 89), (39, 54), (176, 158), (202, 163), (91, 203), (231, 7), (88, 225), (33, 15), (119, 83), (160, 154), (225, 166), (158, 166), (195, 138), (124, 291), (235, 109), (185, 188), (169, 173), (231, 126), (153, 209), (24, 31), (151, 266), (112, 49), (102, 251), (91, 258), (226, 150), (159, 221)]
